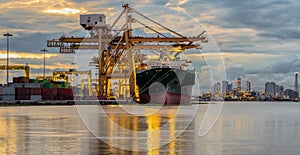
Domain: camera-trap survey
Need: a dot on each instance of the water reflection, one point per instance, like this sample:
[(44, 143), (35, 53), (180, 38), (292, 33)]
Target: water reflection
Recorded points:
[(8, 136), (140, 133), (60, 130), (241, 129)]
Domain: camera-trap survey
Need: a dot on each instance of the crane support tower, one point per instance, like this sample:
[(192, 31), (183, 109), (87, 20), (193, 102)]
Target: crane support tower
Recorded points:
[(26, 68), (74, 72), (113, 45)]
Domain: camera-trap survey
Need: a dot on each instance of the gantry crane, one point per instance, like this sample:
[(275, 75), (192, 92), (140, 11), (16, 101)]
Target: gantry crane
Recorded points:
[(56, 74), (26, 68), (83, 84), (113, 45)]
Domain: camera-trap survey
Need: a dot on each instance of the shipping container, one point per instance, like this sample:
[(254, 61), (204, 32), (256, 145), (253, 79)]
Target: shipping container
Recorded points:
[(35, 91), (46, 91), (65, 91), (22, 97), (65, 97), (35, 97), (16, 79), (48, 97), (8, 91), (16, 85), (48, 85), (22, 91), (64, 85), (43, 81), (54, 91), (33, 81), (32, 85), (23, 79), (8, 97)]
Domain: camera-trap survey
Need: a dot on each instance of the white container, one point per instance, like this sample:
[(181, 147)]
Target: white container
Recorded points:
[(35, 97), (8, 91), (32, 85), (16, 85), (8, 97)]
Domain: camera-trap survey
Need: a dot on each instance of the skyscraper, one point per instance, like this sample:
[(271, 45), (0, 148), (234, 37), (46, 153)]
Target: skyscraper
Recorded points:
[(270, 88), (279, 90), (239, 88), (230, 87), (224, 86), (217, 88)]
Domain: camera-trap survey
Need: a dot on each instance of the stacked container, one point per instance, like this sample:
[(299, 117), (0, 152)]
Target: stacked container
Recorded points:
[(35, 94), (8, 93), (47, 94), (65, 94), (22, 93)]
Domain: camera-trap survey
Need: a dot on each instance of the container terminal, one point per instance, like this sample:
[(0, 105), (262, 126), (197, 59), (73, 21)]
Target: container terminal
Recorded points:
[(122, 61)]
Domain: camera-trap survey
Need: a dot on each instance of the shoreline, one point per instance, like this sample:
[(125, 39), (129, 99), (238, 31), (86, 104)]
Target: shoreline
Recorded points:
[(101, 102)]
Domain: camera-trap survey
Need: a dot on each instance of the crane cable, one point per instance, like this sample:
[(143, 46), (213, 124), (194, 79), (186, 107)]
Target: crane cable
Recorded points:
[(159, 24)]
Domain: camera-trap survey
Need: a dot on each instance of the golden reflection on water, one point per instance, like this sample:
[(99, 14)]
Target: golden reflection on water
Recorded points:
[(151, 123), (153, 132), (42, 131), (8, 136)]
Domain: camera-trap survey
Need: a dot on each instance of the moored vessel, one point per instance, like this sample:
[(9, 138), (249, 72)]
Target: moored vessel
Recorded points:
[(166, 81)]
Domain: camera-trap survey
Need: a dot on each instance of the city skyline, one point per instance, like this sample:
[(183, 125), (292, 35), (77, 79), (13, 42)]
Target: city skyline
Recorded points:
[(258, 40)]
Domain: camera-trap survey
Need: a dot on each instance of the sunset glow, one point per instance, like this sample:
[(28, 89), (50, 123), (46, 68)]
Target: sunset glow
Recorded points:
[(64, 11)]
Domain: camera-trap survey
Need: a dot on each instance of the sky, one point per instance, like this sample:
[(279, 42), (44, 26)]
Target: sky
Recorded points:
[(255, 40)]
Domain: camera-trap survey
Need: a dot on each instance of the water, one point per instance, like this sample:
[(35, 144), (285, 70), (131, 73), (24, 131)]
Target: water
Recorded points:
[(242, 128)]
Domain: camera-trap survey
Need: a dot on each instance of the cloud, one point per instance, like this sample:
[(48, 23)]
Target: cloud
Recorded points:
[(283, 33), (288, 64)]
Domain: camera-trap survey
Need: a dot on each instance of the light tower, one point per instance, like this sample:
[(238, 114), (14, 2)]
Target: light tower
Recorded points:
[(7, 35)]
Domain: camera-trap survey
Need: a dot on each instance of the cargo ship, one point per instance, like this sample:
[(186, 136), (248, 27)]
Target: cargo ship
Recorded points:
[(166, 81)]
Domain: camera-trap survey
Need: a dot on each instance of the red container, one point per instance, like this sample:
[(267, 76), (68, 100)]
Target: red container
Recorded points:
[(65, 91), (23, 79), (54, 91), (35, 91), (15, 79), (46, 91), (22, 97), (22, 91)]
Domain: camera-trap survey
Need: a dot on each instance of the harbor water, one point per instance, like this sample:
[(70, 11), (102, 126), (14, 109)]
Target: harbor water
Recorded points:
[(241, 128)]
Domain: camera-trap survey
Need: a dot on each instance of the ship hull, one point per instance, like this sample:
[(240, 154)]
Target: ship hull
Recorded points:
[(166, 86)]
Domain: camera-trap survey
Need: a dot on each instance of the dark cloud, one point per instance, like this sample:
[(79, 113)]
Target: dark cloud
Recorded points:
[(263, 16), (28, 42), (283, 33), (288, 64)]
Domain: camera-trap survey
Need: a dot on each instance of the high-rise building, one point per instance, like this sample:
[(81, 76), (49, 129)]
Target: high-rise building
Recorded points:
[(279, 90), (230, 87), (248, 86), (217, 88), (270, 88), (239, 88), (224, 86)]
